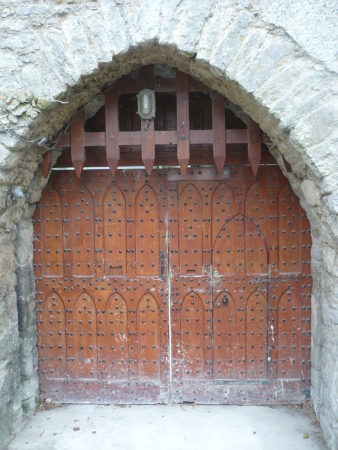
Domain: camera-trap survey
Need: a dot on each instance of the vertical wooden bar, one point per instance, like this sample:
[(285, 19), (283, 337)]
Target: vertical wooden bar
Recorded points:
[(46, 164), (254, 145), (183, 127), (148, 144), (218, 130), (148, 130), (112, 130), (78, 154)]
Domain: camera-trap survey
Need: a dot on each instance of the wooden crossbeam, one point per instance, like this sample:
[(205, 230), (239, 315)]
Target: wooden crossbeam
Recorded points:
[(98, 139), (112, 130), (183, 127), (218, 128), (77, 145), (254, 145)]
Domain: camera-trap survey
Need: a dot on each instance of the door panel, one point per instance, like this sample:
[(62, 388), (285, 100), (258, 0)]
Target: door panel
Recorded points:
[(192, 332), (147, 233), (239, 286), (116, 328), (225, 337), (81, 233), (256, 332), (85, 344), (114, 337), (224, 258), (51, 237), (115, 233), (190, 235), (54, 336)]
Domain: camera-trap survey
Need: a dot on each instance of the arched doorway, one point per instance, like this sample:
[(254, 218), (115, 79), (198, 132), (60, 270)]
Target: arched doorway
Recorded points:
[(187, 283)]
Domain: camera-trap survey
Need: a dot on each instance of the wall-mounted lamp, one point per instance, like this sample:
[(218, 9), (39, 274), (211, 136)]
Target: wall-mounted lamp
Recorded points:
[(146, 104)]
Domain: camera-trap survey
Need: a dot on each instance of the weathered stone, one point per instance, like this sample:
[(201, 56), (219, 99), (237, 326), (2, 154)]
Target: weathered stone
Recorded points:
[(24, 243), (308, 23), (9, 339), (28, 357), (330, 260), (311, 193), (26, 305), (10, 394)]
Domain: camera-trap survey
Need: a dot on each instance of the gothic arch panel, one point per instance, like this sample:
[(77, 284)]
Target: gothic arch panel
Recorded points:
[(289, 233), (225, 337), (289, 335), (147, 232), (256, 207), (55, 360), (192, 336), (256, 316), (82, 233), (85, 341), (190, 214), (256, 254), (117, 337), (115, 236), (51, 233), (148, 332), (223, 208), (239, 249), (225, 251)]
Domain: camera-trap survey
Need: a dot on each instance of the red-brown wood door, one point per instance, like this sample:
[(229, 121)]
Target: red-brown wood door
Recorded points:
[(240, 288), (191, 288), (101, 252)]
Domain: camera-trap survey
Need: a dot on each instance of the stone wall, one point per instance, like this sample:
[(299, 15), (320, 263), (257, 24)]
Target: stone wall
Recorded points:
[(277, 64)]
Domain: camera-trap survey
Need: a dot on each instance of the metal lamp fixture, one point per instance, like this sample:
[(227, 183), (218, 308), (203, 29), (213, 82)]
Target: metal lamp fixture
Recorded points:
[(146, 104)]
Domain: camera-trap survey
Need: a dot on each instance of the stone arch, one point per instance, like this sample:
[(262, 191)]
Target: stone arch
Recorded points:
[(248, 63)]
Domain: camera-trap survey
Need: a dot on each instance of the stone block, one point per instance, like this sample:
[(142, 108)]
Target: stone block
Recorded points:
[(329, 428), (29, 404), (311, 193), (28, 354), (9, 340), (26, 312), (10, 420), (214, 28), (30, 388), (9, 311), (84, 60), (99, 37), (113, 17), (309, 24)]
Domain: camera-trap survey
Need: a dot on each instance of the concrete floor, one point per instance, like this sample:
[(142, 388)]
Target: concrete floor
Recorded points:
[(169, 427)]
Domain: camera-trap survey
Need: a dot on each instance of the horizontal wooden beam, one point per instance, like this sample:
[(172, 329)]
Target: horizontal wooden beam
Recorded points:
[(98, 139)]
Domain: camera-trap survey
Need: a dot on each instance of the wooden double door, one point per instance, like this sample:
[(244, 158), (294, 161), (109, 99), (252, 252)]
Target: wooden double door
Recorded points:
[(165, 287)]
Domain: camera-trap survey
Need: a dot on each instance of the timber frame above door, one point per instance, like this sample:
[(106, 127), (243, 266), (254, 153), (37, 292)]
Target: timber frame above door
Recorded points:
[(181, 134)]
